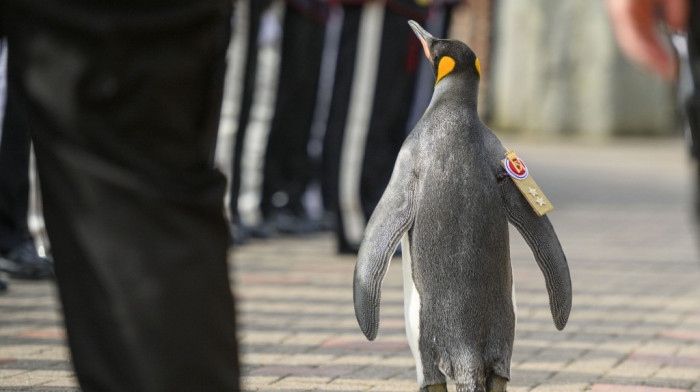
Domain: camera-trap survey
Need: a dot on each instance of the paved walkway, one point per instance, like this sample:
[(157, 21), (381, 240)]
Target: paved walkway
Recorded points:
[(622, 214)]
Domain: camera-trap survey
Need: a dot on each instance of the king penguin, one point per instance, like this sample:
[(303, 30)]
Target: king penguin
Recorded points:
[(449, 203)]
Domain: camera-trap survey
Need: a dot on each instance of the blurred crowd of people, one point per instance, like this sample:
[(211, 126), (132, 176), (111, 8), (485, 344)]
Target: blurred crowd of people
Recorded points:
[(341, 94), (325, 94)]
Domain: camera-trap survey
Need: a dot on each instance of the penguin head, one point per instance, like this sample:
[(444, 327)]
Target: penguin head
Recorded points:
[(448, 57)]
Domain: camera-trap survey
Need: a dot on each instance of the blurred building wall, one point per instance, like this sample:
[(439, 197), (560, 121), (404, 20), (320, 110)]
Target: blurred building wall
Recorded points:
[(554, 68)]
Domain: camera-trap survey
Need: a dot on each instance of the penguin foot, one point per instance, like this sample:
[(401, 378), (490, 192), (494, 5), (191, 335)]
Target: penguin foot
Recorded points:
[(434, 388), (496, 383)]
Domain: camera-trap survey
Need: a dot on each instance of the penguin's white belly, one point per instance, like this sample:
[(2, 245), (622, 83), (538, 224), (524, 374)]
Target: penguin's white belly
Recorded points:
[(411, 306)]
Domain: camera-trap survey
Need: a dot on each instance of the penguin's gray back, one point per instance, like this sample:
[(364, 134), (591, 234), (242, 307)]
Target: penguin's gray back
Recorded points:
[(459, 245)]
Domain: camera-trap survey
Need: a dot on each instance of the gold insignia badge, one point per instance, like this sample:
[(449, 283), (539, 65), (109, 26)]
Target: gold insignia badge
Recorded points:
[(520, 175)]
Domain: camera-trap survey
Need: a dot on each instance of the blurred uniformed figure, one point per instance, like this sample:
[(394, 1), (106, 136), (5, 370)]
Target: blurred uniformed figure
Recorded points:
[(372, 105)]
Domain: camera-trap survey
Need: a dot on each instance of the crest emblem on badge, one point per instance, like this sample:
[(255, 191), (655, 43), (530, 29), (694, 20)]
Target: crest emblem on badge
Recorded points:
[(520, 175), (516, 168)]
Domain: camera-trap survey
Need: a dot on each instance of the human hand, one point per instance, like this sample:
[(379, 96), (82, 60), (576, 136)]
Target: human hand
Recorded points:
[(635, 23)]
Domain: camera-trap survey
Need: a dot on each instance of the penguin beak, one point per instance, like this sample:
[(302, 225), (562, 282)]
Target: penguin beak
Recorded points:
[(425, 37)]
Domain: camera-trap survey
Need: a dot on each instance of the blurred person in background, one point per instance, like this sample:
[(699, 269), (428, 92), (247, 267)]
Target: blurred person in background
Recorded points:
[(641, 28), (363, 65), (271, 168), (3, 90), (124, 101), (287, 165), (373, 92), (637, 28), (250, 13)]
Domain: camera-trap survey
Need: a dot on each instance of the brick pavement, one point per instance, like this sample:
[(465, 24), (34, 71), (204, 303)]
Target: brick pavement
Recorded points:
[(622, 214)]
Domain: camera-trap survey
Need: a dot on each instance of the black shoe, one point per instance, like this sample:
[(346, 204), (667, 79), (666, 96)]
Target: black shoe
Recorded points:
[(345, 248), (3, 283), (23, 262), (238, 234), (263, 230), (285, 221)]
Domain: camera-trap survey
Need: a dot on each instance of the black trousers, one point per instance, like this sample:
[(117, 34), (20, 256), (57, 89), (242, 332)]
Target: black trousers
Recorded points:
[(124, 99), (287, 163), (256, 9), (393, 93), (14, 175), (693, 103)]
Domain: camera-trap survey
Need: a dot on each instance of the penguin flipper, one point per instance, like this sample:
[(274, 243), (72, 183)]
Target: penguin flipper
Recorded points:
[(542, 240), (392, 217)]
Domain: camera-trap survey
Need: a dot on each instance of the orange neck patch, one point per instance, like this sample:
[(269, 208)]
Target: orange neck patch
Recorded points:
[(478, 66), (447, 64)]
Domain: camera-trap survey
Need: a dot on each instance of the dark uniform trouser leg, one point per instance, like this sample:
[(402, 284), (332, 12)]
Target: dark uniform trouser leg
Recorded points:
[(256, 9), (332, 143), (693, 104), (398, 66), (393, 92), (287, 165), (125, 101), (14, 176)]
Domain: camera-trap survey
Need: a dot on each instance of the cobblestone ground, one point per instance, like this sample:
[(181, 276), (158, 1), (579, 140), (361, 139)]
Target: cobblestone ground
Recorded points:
[(622, 212)]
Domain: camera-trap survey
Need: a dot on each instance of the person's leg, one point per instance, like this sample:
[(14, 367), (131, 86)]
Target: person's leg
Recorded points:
[(335, 131), (3, 93), (398, 66), (287, 166), (14, 179), (18, 255), (125, 102), (239, 232), (693, 103)]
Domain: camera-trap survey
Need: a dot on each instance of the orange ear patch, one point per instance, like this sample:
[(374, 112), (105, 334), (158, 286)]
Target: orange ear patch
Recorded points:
[(447, 64), (478, 66)]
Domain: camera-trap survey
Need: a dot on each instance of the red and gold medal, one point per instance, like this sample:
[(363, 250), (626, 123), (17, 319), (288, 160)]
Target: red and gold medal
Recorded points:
[(517, 170)]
